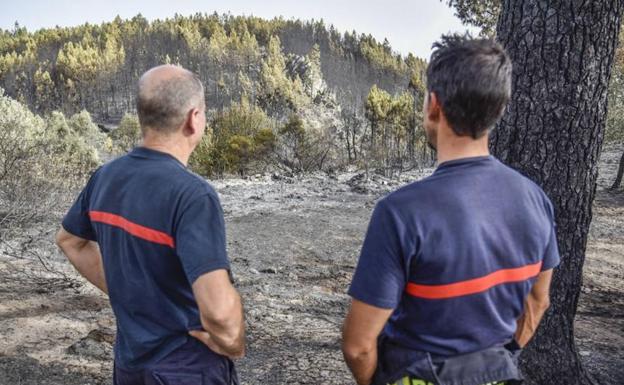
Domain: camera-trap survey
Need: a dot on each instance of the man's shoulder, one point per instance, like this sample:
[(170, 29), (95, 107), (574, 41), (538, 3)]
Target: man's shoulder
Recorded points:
[(118, 162), (512, 173), (176, 175), (199, 184), (427, 188), (408, 198), (411, 191), (524, 181)]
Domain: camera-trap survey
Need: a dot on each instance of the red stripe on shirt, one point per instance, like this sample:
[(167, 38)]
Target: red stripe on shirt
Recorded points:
[(132, 228), (476, 285)]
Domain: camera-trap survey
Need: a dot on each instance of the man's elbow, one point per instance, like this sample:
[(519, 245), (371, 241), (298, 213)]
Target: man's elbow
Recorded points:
[(229, 332), (62, 240), (225, 320), (59, 238), (233, 342), (70, 245), (541, 303), (544, 304), (354, 352)]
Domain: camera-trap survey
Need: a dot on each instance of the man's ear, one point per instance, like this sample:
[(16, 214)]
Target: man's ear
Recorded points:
[(192, 122), (432, 107)]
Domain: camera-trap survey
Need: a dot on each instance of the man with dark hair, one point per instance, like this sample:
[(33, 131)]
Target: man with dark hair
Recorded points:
[(454, 273), (150, 234)]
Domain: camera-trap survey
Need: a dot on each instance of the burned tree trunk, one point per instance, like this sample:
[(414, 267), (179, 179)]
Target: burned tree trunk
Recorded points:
[(620, 173), (552, 132)]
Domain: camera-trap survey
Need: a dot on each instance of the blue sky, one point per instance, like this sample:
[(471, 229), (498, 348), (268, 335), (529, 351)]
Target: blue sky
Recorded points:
[(409, 25)]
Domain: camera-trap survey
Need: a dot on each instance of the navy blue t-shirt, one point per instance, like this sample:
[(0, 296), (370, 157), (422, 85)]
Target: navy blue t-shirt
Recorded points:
[(159, 227), (455, 256)]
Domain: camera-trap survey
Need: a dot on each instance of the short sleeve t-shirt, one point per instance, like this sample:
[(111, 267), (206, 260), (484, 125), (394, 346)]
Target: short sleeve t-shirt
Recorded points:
[(159, 227), (455, 256)]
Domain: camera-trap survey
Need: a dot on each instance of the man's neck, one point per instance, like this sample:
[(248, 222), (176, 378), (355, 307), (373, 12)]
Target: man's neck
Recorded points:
[(169, 146), (458, 147)]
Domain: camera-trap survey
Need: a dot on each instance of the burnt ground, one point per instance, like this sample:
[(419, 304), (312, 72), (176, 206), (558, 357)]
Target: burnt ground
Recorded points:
[(293, 244), (600, 316)]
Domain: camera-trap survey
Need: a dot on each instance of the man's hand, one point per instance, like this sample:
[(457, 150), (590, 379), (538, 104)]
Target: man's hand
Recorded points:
[(85, 256), (204, 337), (359, 339), (221, 314)]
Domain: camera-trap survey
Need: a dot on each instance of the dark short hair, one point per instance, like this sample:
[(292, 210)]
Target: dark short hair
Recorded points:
[(162, 106), (472, 80)]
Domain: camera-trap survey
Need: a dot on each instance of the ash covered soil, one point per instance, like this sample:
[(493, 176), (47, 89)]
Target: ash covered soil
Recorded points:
[(293, 243)]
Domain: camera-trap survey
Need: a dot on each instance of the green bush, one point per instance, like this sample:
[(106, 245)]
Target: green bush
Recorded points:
[(84, 129), (40, 162), (127, 135), (240, 141), (264, 142), (240, 150)]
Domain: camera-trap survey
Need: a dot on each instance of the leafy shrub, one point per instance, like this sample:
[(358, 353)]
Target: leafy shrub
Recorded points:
[(127, 135), (240, 140), (40, 163)]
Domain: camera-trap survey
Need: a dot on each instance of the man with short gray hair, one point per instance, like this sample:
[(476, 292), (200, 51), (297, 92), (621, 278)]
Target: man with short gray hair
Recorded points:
[(150, 234)]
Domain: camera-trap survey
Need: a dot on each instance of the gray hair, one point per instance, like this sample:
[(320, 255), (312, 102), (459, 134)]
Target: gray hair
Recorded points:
[(163, 102)]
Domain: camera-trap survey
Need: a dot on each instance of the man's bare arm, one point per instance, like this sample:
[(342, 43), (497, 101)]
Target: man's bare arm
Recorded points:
[(535, 305), (85, 256), (359, 339), (221, 313)]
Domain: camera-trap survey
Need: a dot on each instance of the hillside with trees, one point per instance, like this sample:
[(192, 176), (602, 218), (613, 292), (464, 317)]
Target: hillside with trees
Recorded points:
[(349, 91)]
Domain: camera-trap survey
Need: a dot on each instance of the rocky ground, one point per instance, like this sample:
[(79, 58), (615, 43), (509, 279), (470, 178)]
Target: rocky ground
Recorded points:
[(293, 243)]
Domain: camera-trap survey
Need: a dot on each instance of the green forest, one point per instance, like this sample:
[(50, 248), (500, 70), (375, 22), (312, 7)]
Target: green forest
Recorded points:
[(281, 94)]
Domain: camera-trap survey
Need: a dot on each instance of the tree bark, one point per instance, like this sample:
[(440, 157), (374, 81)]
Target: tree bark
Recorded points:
[(620, 173), (552, 132)]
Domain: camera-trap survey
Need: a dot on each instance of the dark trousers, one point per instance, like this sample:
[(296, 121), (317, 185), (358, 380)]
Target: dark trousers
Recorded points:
[(417, 381), (191, 364)]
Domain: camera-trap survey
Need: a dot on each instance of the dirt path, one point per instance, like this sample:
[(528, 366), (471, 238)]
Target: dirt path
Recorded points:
[(600, 319), (294, 244)]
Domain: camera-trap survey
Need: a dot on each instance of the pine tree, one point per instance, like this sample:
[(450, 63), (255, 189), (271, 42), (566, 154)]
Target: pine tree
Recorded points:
[(44, 90)]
